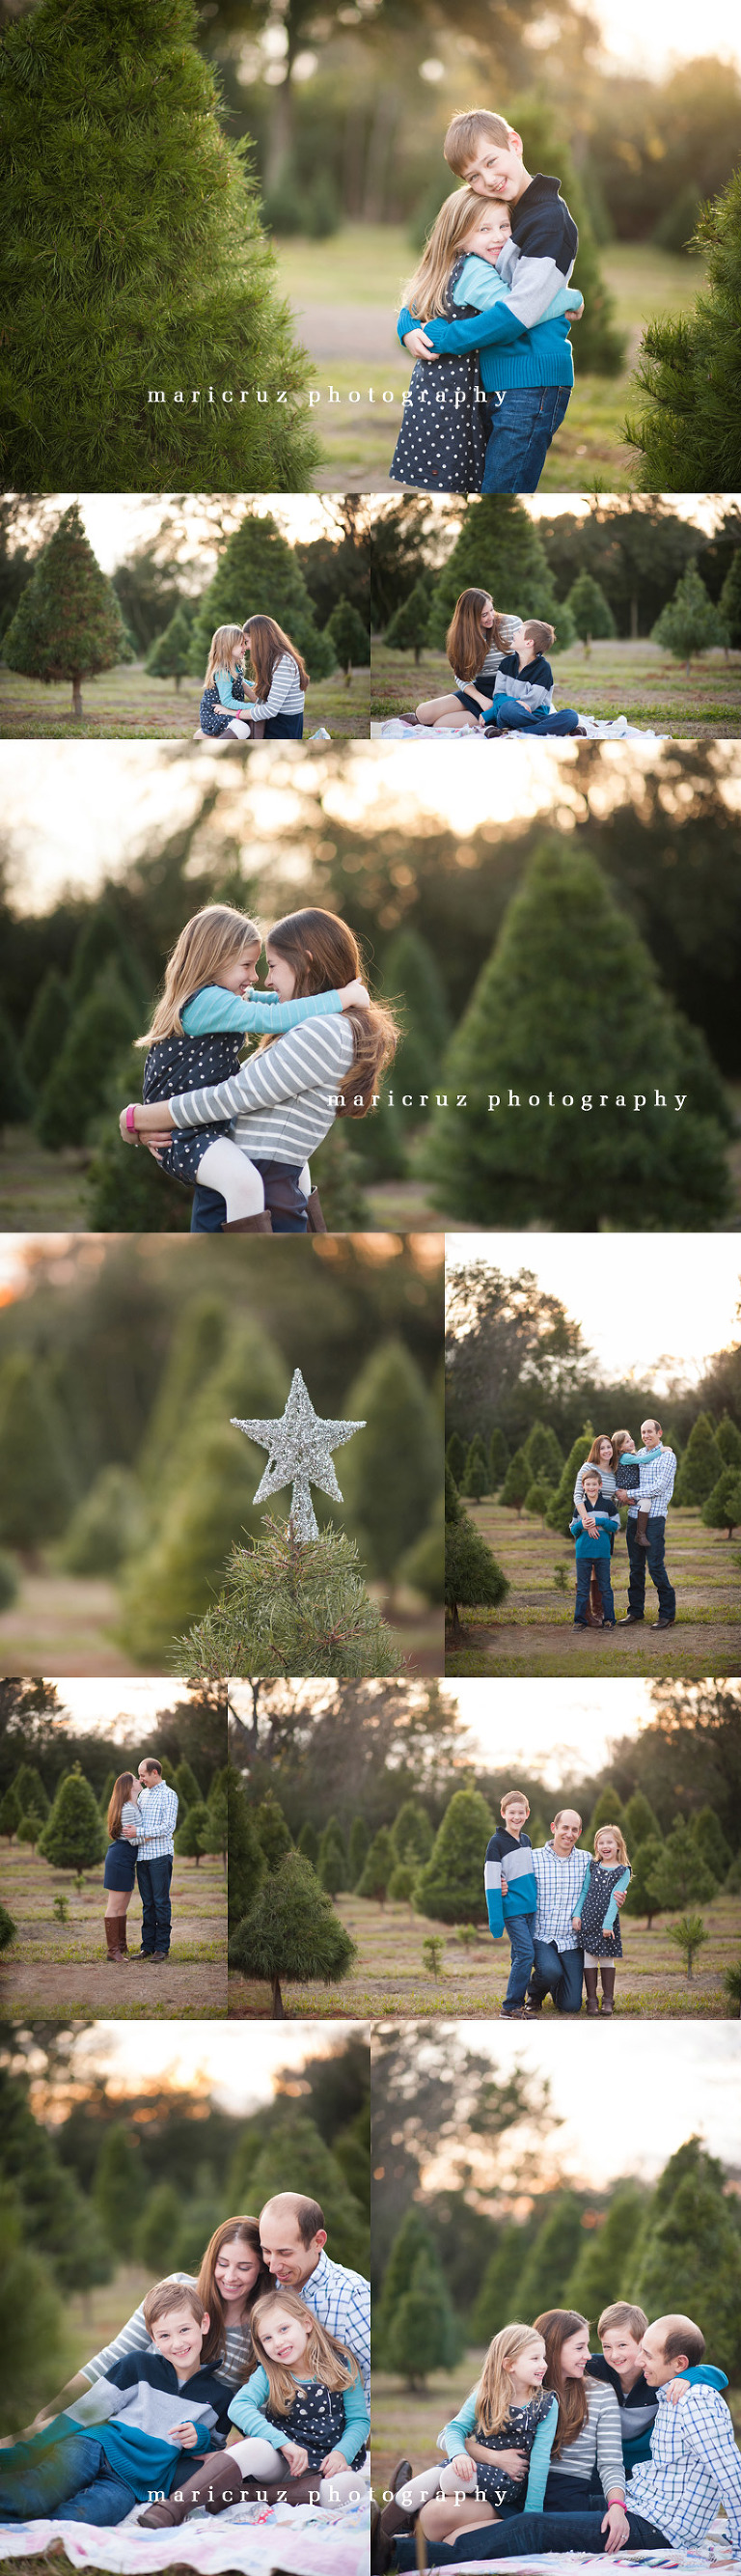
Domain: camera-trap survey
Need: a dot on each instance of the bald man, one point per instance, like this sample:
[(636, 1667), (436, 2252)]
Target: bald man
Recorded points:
[(293, 2238), (672, 2498)]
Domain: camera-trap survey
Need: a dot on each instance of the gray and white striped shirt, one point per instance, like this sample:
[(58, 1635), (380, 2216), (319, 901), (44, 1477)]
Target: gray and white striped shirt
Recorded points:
[(285, 695), (134, 2338), (599, 2441), (282, 1102)]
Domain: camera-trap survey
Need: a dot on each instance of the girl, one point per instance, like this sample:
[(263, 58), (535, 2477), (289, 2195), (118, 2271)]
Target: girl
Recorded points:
[(442, 441), (224, 708), (120, 1862), (284, 1100), (597, 1915), (281, 679), (498, 2445), (197, 1034), (476, 642), (304, 2417)]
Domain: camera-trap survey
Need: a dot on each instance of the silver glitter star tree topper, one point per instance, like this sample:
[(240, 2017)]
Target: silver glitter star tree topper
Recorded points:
[(299, 1449)]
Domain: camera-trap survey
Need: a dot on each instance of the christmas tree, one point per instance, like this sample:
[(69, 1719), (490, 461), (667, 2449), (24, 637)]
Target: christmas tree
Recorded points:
[(348, 637), (641, 1898), (702, 1464), (46, 1028), (117, 2184), (411, 972), (189, 1794), (200, 1474), (308, 1842), (537, 1499), (68, 623), (135, 268), (411, 1833), (16, 1102), (292, 1933), (689, 431), (357, 1850), (76, 1088), (109, 1523), (247, 1862), (259, 575), (10, 1814), (498, 1458), (552, 2256), (531, 1010), (169, 657), (606, 1811), (722, 1510), (412, 2240), (195, 1833), (390, 1476), (608, 2252), (590, 610), (455, 1456), (8, 1928), (600, 347), (517, 1480), (333, 1869), (30, 1791), (690, 622), (37, 1491), (423, 2334), (473, 1579), (407, 630), (639, 1821), (475, 1478), (711, 1841), (689, 2259), (450, 1887), (273, 1833), (73, 1837), (680, 1872), (560, 1511), (499, 550), (543, 1453), (728, 1438), (729, 603), (378, 1868)]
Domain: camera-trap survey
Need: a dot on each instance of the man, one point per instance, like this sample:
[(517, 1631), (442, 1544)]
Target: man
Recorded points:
[(658, 1468), (158, 1809), (559, 1960), (672, 2498), (293, 2237)]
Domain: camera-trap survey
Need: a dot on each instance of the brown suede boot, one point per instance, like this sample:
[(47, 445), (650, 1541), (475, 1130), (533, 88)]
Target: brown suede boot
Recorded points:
[(111, 1933), (608, 1990), (303, 2490), (123, 1947), (590, 1985), (214, 2484), (314, 1213), (262, 1224)]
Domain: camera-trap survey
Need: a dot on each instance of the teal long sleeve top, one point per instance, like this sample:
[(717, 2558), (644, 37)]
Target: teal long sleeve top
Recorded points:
[(245, 2410), (258, 1013), (453, 2438)]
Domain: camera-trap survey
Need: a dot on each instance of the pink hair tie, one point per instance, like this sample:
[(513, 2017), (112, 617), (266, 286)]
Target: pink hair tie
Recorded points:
[(131, 1119)]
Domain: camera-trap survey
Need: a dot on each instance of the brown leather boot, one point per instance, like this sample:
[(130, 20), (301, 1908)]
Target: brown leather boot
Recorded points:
[(111, 1933), (608, 1990), (215, 2484), (123, 1947), (303, 2490), (314, 1213), (262, 1224), (590, 1985)]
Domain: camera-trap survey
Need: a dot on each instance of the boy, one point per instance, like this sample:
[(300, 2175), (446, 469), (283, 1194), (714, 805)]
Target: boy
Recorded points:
[(511, 1895), (528, 381), (142, 2416), (593, 1551), (523, 700), (621, 2329)]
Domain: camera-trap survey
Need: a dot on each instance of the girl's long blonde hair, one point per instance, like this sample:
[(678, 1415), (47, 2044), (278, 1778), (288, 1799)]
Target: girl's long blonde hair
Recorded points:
[(224, 643), (618, 1838), (266, 643), (467, 642), (425, 295), (324, 954), (209, 941), (326, 2358), (123, 1789), (495, 2393)]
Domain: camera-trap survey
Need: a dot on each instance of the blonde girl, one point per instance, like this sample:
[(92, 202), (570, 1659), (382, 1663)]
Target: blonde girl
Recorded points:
[(224, 707), (476, 642), (303, 2405), (597, 1919), (206, 1009), (119, 1873), (443, 438), (281, 679), (497, 2447)]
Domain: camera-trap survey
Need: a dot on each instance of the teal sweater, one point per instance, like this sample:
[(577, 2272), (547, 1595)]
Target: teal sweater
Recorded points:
[(599, 1546), (214, 1008)]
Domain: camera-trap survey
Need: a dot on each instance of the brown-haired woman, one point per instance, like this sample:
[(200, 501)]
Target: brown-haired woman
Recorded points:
[(476, 642), (281, 679), (588, 2440), (119, 1875)]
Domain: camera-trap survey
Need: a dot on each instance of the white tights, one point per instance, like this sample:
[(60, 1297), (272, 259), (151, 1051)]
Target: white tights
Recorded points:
[(433, 2482), (225, 1168), (257, 2459)]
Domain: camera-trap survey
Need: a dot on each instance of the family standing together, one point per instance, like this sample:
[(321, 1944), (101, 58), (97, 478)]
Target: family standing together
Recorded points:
[(248, 2384), (614, 1471), (559, 1907)]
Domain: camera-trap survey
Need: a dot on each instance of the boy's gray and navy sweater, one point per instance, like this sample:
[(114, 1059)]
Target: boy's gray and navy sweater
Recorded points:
[(514, 347), (132, 2408), (639, 2405), (532, 686), (509, 1879), (586, 1545)]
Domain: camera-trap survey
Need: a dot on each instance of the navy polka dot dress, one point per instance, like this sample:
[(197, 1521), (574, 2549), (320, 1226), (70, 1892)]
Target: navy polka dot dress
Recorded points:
[(316, 2420), (215, 717), (516, 2434), (441, 447), (187, 1064), (601, 1884)]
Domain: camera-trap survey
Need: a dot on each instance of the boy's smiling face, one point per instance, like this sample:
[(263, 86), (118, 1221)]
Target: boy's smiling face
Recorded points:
[(497, 171), (491, 229), (178, 2335)]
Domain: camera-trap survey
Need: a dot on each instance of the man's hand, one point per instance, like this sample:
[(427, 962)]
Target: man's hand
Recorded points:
[(576, 1922), (185, 2434), (418, 344), (298, 2460), (620, 1896), (615, 2523), (334, 2464), (515, 2462)]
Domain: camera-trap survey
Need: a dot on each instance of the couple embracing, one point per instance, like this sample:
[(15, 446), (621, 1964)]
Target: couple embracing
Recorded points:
[(142, 1815)]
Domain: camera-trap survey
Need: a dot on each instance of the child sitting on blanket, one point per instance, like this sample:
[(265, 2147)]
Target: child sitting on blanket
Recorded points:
[(507, 2411), (477, 640), (126, 2437), (303, 2415), (596, 1917), (523, 697), (224, 703)]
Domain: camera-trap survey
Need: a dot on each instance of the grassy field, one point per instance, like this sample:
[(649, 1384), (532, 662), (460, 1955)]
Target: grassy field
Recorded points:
[(613, 679), (346, 293), (408, 2420), (63, 1623), (390, 1981), (53, 1969), (534, 1632), (128, 705)]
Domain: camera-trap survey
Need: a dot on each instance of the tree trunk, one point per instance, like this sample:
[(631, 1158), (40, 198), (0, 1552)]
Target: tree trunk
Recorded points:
[(634, 621), (76, 696), (280, 131), (278, 2012)]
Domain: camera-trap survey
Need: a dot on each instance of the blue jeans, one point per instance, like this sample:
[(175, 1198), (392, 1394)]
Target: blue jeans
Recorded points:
[(536, 2531), (154, 1888), (558, 1973), (208, 1212), (522, 426), (513, 717), (653, 1557), (68, 2480), (601, 1566), (520, 1934)]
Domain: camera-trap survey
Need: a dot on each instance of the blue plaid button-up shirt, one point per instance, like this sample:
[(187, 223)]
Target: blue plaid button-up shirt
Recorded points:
[(694, 2466), (341, 2300), (158, 1809)]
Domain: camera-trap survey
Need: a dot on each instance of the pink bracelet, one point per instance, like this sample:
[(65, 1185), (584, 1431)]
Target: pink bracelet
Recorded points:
[(131, 1119)]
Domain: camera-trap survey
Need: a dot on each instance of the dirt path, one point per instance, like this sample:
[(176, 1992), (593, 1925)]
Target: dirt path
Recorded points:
[(692, 1649), (194, 1991)]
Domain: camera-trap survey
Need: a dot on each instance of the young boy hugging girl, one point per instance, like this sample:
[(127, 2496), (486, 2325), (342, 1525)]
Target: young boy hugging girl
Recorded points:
[(621, 2328), (130, 2435), (512, 1896), (523, 699), (593, 1552)]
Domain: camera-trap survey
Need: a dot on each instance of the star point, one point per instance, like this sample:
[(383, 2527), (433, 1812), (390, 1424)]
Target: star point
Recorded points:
[(299, 1443)]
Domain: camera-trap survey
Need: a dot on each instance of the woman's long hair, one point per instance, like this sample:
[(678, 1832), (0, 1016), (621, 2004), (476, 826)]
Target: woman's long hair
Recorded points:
[(266, 643), (211, 940), (325, 2358), (495, 2394), (555, 2326), (224, 643), (246, 2231), (324, 954), (467, 642), (425, 295), (123, 1790)]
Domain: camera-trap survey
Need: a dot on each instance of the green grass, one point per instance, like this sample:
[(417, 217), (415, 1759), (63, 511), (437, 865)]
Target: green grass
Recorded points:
[(127, 705), (533, 1632), (613, 679), (54, 1967), (346, 292)]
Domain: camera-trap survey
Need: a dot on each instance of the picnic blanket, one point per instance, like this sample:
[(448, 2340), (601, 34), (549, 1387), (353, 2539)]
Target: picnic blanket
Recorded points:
[(258, 2540), (616, 729)]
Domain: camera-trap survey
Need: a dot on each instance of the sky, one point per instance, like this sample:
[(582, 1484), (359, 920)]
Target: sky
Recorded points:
[(550, 1727), (657, 39), (92, 1707), (665, 1318), (666, 2082), (239, 2061)]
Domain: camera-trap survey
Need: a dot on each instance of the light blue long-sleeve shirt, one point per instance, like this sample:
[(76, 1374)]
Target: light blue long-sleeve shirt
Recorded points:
[(453, 2438), (214, 1008), (246, 2411)]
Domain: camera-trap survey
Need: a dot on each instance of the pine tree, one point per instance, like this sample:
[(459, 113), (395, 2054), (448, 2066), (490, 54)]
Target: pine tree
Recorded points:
[(288, 1607), (690, 622), (690, 2263), (108, 1525), (411, 971), (46, 1028), (30, 1791), (590, 610), (641, 1896), (202, 1478), (723, 1507), (160, 2229), (529, 1010), (273, 1833), (389, 1477), (135, 266), (702, 1464), (16, 1103), (189, 1794), (401, 1883), (379, 1863), (500, 550), (30, 1828), (473, 1579), (729, 604), (560, 1511), (195, 1832), (708, 1834), (200, 1341), (455, 1455), (333, 1870), (8, 1930), (37, 1491), (247, 1862), (639, 1821), (73, 1837), (516, 1482), (10, 1814), (348, 638), (407, 629), (537, 1500), (411, 1833), (548, 2265), (292, 1933), (259, 575), (607, 1811), (605, 2258), (450, 1887), (68, 623), (423, 2334), (116, 2186), (358, 1849), (544, 1453), (75, 1090), (308, 1842), (475, 1479), (219, 1816), (293, 2145), (454, 1511), (689, 1935), (169, 657), (33, 2320), (690, 371), (680, 1872), (497, 2301), (728, 1438), (498, 1458), (412, 2240)]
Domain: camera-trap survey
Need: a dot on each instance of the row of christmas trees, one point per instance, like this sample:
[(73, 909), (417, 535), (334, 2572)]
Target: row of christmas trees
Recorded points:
[(70, 1831), (508, 557), (535, 1477)]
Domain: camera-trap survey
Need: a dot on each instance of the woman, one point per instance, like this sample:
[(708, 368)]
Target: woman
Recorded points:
[(604, 1454), (281, 680), (119, 1874), (477, 640), (285, 1098), (231, 2278)]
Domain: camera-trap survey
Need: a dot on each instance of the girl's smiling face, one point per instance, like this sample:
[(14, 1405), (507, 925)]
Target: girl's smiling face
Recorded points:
[(529, 2370), (605, 1848), (236, 2269), (241, 971), (281, 977), (490, 229), (284, 2337)]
